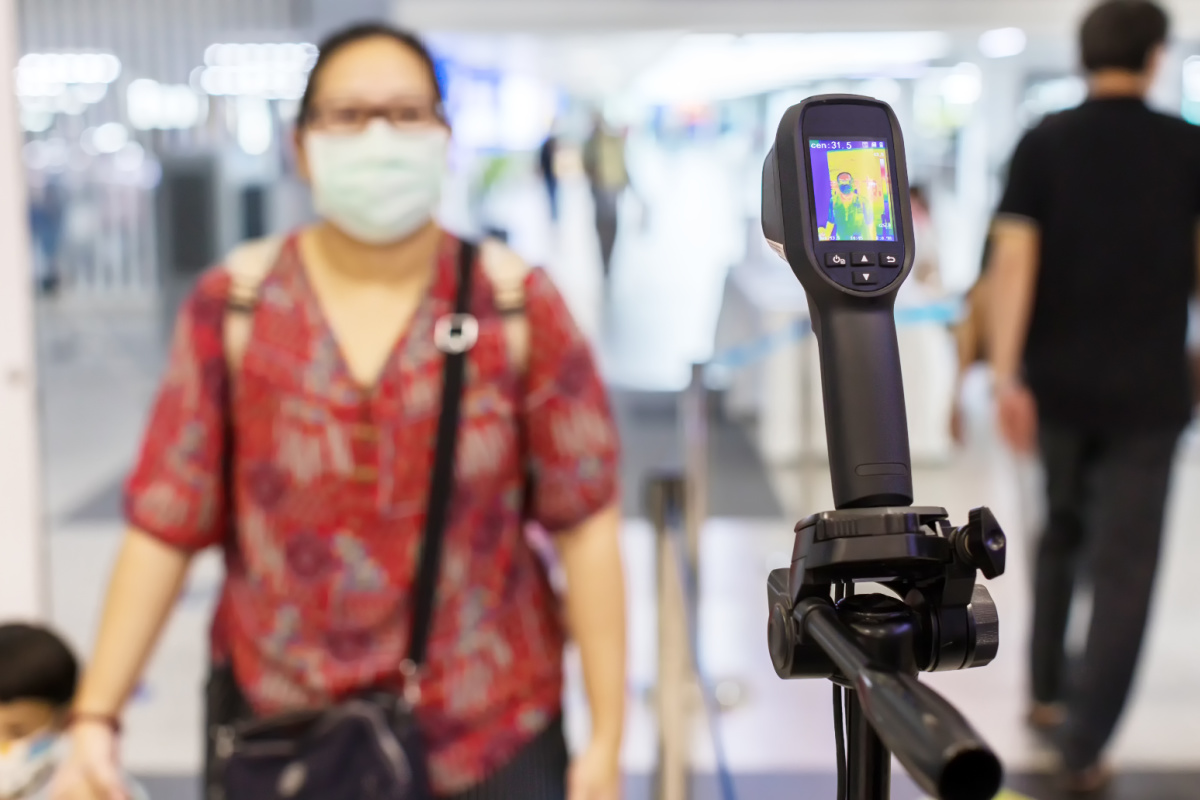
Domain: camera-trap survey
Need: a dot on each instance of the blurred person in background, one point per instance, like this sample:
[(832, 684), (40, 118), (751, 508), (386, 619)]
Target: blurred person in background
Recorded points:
[(604, 163), (970, 341), (926, 266), (547, 154), (310, 467), (47, 211), (1093, 264), (38, 677)]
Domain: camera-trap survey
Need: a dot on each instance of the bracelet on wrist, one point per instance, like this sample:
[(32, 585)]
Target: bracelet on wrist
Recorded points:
[(110, 721)]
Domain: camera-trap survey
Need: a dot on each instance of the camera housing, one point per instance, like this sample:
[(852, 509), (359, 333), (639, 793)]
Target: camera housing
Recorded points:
[(810, 219), (835, 207)]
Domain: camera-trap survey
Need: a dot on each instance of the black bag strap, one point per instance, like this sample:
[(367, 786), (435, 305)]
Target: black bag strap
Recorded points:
[(454, 335)]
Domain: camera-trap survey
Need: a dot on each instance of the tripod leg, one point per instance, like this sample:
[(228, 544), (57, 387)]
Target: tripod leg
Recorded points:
[(869, 763)]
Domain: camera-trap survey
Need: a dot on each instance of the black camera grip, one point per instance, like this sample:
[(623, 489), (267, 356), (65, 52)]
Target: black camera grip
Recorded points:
[(865, 421)]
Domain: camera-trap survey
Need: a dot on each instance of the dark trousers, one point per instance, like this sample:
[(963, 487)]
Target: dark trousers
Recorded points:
[(1106, 499), (551, 182), (537, 772), (606, 223)]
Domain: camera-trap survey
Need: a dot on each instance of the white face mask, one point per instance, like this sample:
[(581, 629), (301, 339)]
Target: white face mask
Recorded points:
[(26, 765), (380, 185)]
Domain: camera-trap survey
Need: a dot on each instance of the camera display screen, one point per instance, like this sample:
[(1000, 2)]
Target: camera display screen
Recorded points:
[(852, 190)]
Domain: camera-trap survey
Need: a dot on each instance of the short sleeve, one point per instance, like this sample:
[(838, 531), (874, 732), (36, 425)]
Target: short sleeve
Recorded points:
[(1026, 191), (176, 492), (570, 433)]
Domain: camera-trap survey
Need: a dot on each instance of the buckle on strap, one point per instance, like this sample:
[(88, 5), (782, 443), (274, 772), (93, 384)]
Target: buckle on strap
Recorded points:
[(412, 683), (456, 333)]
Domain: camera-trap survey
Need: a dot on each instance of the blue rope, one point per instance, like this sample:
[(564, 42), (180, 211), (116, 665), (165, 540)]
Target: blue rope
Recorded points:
[(743, 355)]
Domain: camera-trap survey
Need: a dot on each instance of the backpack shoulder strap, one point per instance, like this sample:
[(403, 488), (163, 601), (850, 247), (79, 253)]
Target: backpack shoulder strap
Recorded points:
[(506, 271), (248, 265)]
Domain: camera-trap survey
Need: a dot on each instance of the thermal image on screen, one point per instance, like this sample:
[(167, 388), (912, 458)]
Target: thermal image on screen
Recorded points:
[(852, 190)]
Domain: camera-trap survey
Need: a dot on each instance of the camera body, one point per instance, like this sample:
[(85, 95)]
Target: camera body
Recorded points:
[(835, 207)]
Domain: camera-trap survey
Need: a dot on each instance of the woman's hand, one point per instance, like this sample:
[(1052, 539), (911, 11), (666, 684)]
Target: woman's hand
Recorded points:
[(92, 770), (595, 775)]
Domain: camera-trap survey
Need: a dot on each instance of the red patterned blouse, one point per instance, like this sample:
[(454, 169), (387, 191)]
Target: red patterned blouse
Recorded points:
[(329, 482)]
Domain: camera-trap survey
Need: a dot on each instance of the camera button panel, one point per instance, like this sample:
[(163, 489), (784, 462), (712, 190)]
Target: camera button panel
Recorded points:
[(846, 267)]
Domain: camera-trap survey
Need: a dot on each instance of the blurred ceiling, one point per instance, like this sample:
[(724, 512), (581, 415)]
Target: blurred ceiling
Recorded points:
[(715, 48), (166, 39), (675, 66), (1054, 17)]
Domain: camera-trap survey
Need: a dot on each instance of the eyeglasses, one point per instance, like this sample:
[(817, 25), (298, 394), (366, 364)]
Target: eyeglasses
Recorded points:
[(352, 118)]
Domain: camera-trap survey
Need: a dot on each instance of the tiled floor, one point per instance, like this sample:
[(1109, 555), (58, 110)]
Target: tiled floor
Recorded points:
[(99, 366)]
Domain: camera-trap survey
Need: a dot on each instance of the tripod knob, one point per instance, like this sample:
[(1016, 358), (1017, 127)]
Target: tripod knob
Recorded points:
[(985, 620), (982, 543)]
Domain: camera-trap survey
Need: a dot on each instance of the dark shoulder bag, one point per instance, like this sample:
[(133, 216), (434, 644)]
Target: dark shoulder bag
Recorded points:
[(368, 747)]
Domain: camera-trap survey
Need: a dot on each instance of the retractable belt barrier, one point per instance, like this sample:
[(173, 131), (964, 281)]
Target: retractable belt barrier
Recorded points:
[(681, 683), (748, 353)]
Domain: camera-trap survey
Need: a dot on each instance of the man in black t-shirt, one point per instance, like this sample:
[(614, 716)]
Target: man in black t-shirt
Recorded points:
[(1094, 262)]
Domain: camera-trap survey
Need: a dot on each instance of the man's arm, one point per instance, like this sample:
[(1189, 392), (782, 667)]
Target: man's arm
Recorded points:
[(591, 558), (1012, 278)]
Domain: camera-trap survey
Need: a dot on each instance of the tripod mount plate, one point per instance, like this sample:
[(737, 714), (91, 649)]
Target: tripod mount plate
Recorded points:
[(868, 544)]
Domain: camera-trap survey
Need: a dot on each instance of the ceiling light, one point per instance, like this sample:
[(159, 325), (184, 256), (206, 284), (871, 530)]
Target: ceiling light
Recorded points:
[(109, 137), (963, 86), (1002, 42)]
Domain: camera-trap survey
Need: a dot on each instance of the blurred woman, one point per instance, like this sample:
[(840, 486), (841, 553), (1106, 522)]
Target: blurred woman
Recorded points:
[(970, 340), (926, 266), (308, 461)]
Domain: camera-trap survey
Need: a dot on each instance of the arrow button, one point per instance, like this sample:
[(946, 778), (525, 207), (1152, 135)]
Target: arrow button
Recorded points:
[(865, 277), (888, 260), (862, 259)]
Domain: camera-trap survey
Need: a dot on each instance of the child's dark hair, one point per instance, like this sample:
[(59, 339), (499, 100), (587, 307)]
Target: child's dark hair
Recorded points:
[(35, 664), (357, 33)]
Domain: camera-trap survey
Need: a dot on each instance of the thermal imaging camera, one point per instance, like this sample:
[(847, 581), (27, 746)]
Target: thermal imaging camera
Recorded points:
[(835, 207)]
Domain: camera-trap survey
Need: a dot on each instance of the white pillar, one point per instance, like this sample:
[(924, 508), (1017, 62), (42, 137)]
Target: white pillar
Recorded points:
[(23, 588)]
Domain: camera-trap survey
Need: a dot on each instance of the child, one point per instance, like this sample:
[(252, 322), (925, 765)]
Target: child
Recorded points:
[(38, 674)]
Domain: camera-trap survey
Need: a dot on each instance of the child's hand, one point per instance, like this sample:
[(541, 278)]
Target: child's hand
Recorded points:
[(91, 771)]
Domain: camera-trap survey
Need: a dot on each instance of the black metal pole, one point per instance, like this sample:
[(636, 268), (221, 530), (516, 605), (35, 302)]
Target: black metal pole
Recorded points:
[(869, 764)]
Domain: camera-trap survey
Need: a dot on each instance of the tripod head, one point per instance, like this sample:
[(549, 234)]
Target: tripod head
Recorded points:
[(835, 207)]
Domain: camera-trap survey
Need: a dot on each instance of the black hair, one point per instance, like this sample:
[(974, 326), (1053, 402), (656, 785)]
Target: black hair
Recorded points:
[(37, 665), (1121, 34), (357, 33)]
